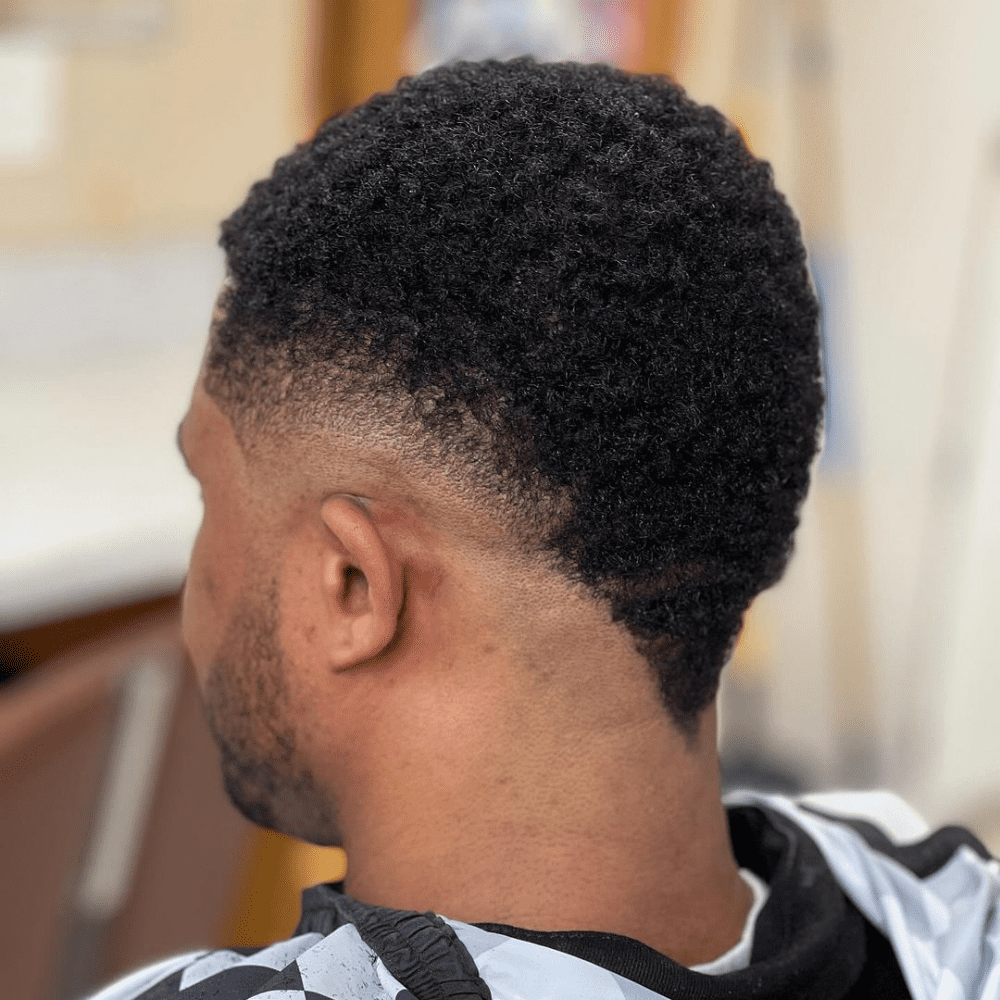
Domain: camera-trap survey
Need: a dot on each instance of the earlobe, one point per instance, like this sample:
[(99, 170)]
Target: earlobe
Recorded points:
[(364, 584)]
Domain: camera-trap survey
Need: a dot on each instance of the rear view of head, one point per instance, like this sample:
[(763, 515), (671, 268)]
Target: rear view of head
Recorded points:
[(579, 293)]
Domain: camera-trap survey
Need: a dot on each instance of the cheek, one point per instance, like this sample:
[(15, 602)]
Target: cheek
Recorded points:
[(305, 601), (213, 582), (197, 608)]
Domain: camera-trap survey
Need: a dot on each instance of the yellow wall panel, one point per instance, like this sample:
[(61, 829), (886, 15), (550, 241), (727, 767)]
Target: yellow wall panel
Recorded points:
[(163, 135)]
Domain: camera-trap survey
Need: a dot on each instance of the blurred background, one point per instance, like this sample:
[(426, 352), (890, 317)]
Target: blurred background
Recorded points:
[(128, 128)]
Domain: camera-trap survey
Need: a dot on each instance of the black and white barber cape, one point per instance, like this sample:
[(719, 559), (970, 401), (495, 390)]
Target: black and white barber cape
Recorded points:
[(851, 913)]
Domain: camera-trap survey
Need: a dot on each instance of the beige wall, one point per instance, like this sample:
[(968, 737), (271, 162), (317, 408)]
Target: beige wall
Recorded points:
[(166, 111), (161, 135), (914, 119)]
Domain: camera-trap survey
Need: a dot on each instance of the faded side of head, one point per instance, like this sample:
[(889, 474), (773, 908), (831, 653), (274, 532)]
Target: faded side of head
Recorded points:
[(579, 291)]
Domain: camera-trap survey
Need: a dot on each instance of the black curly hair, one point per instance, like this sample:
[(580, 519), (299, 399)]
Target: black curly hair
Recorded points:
[(588, 297)]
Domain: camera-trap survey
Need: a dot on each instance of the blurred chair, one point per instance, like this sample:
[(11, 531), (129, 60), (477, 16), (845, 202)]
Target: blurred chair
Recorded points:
[(117, 843)]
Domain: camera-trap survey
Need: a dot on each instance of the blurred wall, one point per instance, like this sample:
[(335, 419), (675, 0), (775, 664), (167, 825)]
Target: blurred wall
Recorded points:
[(127, 130), (920, 107), (163, 114), (882, 123)]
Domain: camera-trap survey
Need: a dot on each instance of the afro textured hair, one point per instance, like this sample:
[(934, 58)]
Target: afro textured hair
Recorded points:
[(588, 294)]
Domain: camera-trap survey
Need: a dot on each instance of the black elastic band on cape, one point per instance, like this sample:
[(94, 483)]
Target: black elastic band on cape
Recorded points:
[(419, 949)]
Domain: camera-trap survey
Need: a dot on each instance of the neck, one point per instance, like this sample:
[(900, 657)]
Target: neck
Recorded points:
[(618, 829)]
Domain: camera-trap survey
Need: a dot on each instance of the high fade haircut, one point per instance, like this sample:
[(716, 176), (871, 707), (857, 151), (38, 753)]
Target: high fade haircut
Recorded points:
[(578, 290)]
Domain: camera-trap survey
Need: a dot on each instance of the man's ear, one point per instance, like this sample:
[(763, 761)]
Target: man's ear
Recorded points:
[(364, 584)]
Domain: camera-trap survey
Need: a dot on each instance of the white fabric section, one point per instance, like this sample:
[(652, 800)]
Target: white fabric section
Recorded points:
[(213, 962), (944, 929), (276, 956), (280, 995), (281, 954), (389, 982), (738, 957), (517, 970), (897, 818), (510, 967), (140, 980), (342, 965)]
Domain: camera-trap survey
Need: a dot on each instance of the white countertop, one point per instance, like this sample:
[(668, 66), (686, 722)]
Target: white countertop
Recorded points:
[(99, 349)]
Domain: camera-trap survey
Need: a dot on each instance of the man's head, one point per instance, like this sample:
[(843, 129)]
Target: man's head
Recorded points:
[(558, 312)]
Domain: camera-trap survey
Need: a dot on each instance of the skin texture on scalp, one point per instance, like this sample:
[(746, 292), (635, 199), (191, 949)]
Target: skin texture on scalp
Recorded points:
[(579, 293)]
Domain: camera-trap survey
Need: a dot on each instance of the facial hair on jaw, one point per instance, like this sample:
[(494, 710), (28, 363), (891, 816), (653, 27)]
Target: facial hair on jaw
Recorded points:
[(247, 705)]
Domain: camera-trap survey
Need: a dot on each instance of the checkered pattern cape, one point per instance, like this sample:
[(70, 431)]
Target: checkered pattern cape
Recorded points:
[(944, 931)]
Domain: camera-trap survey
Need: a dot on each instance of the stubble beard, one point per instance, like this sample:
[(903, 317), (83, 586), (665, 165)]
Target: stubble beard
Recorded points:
[(247, 705)]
